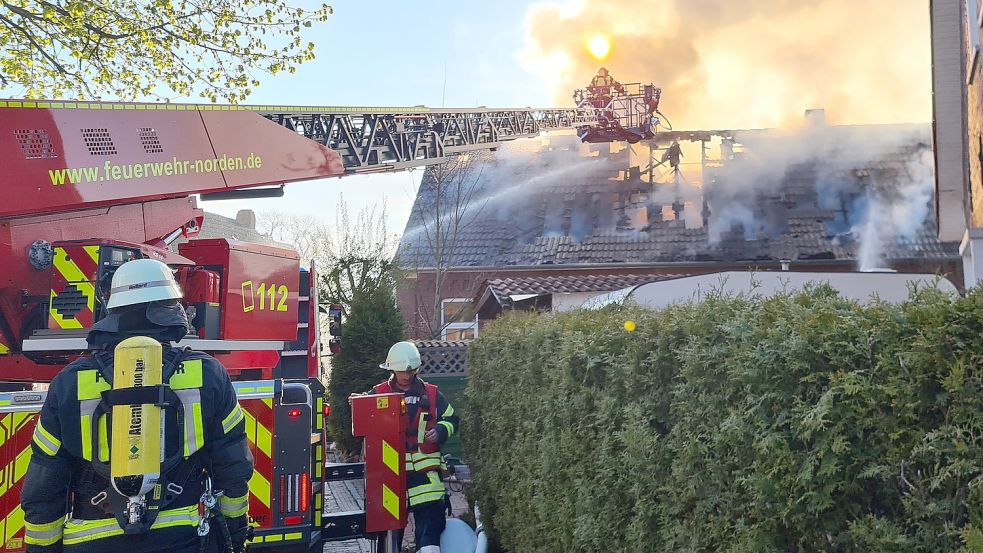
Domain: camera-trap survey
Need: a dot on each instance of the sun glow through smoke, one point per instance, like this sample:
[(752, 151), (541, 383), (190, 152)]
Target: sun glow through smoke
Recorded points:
[(745, 63), (599, 46)]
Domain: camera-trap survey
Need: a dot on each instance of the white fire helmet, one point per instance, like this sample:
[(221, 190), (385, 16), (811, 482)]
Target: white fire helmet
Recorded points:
[(142, 281), (403, 356)]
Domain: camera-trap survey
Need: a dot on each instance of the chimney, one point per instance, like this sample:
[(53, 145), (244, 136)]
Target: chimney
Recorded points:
[(246, 218), (727, 148), (816, 117)]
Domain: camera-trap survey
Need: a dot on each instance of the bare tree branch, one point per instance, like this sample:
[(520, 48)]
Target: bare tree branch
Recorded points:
[(455, 187)]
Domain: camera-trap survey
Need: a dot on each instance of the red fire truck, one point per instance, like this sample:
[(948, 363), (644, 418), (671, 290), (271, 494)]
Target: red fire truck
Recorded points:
[(88, 186)]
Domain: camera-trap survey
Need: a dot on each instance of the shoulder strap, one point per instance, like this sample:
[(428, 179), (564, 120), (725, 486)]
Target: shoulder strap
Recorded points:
[(105, 361), (172, 358), (431, 399), (176, 355), (174, 474), (158, 395)]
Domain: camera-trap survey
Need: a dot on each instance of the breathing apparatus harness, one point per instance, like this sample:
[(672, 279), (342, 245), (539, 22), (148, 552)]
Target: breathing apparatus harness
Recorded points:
[(138, 516)]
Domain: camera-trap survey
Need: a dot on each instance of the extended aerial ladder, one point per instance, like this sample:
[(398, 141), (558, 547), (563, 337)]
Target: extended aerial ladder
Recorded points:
[(90, 185)]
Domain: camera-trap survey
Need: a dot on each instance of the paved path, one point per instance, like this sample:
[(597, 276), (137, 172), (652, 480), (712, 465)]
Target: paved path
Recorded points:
[(345, 496), (349, 495)]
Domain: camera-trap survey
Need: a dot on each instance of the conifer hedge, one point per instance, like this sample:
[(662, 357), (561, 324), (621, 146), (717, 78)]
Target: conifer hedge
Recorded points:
[(372, 328), (801, 423)]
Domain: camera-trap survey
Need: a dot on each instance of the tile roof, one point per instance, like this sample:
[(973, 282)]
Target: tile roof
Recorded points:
[(441, 343), (219, 226), (838, 202), (504, 287)]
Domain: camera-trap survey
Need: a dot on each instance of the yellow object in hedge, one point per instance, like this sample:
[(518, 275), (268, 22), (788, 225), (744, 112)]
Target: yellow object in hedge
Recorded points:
[(136, 451), (630, 326)]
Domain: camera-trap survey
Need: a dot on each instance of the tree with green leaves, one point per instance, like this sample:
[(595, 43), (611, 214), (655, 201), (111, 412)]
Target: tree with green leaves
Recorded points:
[(373, 325), (134, 48)]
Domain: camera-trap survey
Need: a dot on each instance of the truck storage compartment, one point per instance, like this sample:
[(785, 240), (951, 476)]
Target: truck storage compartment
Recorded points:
[(259, 287)]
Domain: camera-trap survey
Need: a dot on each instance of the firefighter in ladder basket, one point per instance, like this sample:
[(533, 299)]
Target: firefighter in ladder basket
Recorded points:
[(139, 447), (431, 421), (602, 87)]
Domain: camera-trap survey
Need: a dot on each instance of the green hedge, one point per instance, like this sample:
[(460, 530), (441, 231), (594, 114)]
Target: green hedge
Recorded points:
[(793, 424)]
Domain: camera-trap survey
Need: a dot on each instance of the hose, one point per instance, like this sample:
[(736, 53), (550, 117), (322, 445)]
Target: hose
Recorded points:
[(482, 545), (668, 123)]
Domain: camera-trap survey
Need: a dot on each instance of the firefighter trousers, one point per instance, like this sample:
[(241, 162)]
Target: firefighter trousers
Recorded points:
[(429, 521)]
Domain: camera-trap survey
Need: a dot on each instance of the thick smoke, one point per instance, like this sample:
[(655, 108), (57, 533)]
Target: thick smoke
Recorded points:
[(746, 63), (896, 211), (880, 180), (865, 187)]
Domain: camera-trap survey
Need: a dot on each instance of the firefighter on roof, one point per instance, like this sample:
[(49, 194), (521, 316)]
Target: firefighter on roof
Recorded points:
[(79, 496), (431, 421)]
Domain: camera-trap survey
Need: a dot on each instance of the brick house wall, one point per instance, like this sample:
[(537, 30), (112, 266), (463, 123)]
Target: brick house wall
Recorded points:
[(975, 117)]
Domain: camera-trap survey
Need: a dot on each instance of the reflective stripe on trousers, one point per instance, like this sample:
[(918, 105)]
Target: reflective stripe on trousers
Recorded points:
[(81, 531), (433, 490)]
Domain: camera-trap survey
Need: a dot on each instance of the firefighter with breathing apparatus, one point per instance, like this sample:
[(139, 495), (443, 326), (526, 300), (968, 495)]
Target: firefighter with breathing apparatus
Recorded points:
[(139, 447), (431, 420)]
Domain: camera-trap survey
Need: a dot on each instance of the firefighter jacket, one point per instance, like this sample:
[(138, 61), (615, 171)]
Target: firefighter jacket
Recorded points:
[(602, 80), (64, 498), (426, 409)]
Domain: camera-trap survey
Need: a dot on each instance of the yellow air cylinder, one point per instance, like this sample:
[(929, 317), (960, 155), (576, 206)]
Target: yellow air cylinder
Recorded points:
[(136, 445)]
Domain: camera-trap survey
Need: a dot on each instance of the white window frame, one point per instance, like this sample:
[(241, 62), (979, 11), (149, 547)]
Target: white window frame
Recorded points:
[(459, 325)]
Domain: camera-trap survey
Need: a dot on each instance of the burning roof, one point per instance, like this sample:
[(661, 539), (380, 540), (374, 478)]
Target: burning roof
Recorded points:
[(861, 193)]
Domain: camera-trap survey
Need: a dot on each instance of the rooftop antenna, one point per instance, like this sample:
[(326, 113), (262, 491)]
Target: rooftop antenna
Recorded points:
[(443, 93)]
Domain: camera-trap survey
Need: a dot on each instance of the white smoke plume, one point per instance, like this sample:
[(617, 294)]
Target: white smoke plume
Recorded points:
[(883, 177), (898, 212)]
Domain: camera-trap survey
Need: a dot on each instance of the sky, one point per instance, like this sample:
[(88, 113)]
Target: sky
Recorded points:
[(721, 64), (374, 52)]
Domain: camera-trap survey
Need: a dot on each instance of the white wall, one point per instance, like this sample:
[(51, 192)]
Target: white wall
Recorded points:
[(971, 249), (949, 111)]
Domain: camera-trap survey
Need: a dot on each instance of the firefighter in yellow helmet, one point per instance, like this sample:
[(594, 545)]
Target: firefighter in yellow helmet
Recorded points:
[(603, 78), (430, 421), (72, 497), (602, 88)]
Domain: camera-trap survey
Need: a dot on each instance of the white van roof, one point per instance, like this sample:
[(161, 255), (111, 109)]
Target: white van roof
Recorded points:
[(887, 286)]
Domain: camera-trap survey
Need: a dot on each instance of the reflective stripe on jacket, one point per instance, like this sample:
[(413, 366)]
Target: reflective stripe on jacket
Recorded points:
[(64, 445), (422, 456), (423, 460)]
